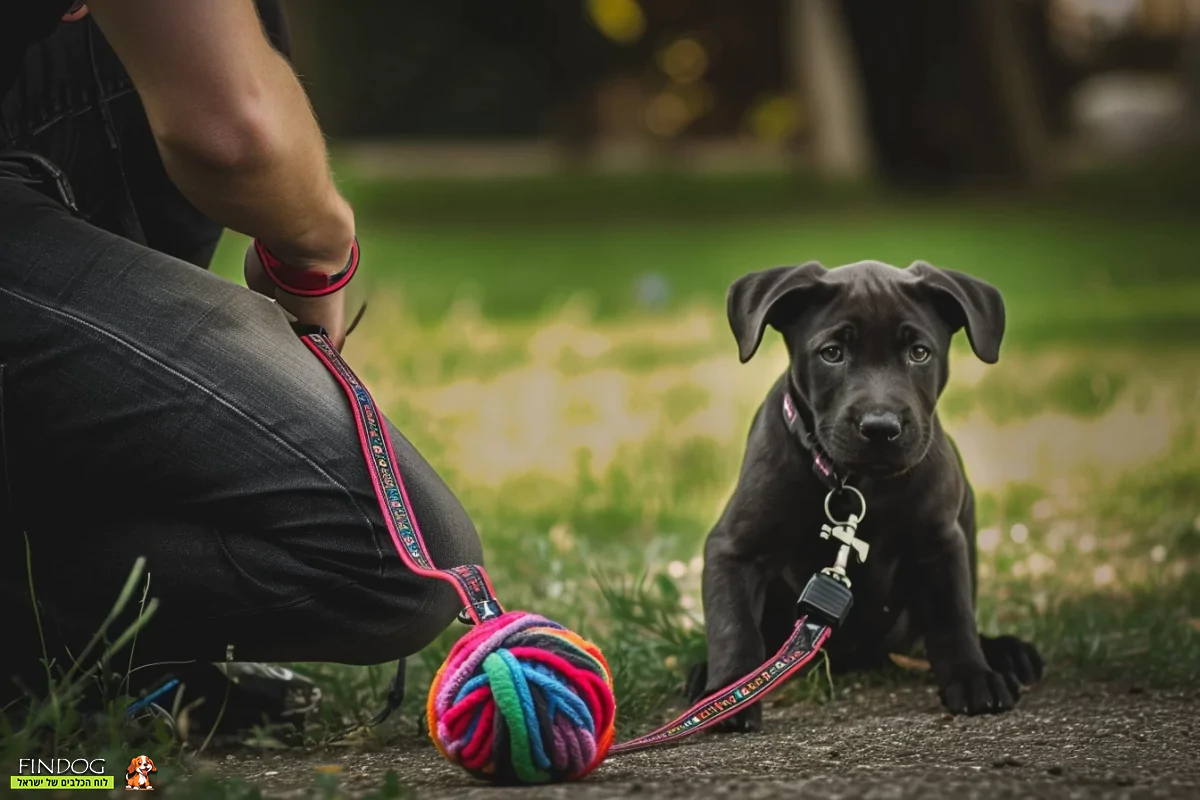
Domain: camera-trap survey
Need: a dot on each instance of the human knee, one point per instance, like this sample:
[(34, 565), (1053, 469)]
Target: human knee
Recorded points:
[(408, 611), (438, 601)]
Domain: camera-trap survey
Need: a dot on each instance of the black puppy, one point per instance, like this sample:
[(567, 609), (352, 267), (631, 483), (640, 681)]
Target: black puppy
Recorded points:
[(869, 347)]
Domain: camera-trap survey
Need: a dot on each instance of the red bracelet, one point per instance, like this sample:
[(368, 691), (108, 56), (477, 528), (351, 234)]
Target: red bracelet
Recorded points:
[(306, 282)]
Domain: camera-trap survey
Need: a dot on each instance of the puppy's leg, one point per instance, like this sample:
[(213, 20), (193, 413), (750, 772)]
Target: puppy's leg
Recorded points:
[(779, 615), (967, 684), (734, 589), (778, 622)]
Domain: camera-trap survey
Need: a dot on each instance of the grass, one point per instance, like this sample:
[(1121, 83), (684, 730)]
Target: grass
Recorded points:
[(558, 349)]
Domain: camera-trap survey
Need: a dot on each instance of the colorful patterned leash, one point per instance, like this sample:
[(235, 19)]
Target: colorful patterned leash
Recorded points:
[(470, 581), (823, 605)]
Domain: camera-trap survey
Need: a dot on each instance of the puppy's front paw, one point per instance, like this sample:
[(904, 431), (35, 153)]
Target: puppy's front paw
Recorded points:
[(748, 720), (975, 690), (1010, 655)]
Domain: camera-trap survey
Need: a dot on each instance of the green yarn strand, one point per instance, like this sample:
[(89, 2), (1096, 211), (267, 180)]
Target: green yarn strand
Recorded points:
[(508, 703)]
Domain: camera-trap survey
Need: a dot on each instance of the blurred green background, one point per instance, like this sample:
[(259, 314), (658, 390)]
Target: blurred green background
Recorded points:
[(553, 197)]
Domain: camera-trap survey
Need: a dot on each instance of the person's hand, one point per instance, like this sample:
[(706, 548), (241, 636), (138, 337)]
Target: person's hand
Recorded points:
[(75, 13), (329, 311)]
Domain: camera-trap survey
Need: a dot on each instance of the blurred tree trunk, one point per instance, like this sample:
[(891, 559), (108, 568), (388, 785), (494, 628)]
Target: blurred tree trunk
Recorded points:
[(825, 77), (949, 92), (1016, 88), (314, 55)]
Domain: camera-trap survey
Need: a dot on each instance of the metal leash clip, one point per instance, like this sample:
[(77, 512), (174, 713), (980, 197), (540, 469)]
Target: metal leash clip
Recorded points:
[(847, 533), (485, 610), (827, 595)]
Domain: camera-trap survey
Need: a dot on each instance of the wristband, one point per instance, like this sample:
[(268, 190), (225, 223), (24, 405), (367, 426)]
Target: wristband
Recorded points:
[(306, 282)]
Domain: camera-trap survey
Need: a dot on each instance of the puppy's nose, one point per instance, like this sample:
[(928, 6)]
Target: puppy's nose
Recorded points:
[(880, 426)]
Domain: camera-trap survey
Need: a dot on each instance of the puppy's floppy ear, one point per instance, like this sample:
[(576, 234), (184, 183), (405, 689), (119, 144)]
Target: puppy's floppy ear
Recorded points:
[(966, 302), (152, 767), (132, 768), (757, 300)]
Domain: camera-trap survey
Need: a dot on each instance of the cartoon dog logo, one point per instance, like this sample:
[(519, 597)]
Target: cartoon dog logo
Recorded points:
[(137, 774)]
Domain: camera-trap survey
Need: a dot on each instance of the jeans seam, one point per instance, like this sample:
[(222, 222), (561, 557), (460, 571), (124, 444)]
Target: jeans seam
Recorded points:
[(206, 390)]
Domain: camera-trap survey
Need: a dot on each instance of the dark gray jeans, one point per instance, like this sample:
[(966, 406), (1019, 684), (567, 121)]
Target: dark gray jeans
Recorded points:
[(150, 408)]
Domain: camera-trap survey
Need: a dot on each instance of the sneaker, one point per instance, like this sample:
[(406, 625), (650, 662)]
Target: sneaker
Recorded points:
[(252, 694)]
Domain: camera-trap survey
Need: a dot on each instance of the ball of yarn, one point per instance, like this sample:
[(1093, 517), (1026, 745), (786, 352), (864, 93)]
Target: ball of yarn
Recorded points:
[(521, 700)]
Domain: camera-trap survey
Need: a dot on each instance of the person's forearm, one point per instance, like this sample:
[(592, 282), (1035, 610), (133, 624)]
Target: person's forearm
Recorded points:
[(233, 124), (267, 175)]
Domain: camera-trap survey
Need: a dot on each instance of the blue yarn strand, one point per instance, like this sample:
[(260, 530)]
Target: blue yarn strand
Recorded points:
[(568, 702)]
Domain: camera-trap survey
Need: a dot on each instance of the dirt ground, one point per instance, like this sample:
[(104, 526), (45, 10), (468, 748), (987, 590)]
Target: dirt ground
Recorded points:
[(1064, 741)]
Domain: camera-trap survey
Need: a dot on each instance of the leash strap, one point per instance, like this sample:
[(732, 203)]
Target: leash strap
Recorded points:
[(824, 604), (469, 580), (797, 653)]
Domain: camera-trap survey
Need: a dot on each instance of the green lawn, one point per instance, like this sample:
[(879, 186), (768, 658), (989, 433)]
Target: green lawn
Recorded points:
[(558, 349), (521, 248)]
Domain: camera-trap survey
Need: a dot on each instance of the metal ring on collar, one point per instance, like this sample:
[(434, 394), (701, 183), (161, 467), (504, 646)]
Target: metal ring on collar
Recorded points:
[(862, 501)]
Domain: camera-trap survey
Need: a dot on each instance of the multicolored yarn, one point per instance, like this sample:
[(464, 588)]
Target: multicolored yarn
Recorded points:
[(520, 700)]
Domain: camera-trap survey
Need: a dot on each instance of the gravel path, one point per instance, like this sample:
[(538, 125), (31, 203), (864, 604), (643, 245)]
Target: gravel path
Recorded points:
[(1083, 741)]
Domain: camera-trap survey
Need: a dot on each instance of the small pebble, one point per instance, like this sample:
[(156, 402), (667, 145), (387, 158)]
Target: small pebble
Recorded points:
[(1007, 761), (834, 754), (1055, 770)]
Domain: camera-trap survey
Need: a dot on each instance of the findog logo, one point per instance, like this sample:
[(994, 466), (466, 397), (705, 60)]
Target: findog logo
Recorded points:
[(61, 773), (137, 774)]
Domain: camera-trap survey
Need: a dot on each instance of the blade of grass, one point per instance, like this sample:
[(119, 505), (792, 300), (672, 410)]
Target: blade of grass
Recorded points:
[(123, 598), (133, 646)]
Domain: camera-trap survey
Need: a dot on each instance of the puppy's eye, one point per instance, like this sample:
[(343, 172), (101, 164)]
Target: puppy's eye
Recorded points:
[(831, 353), (918, 353)]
